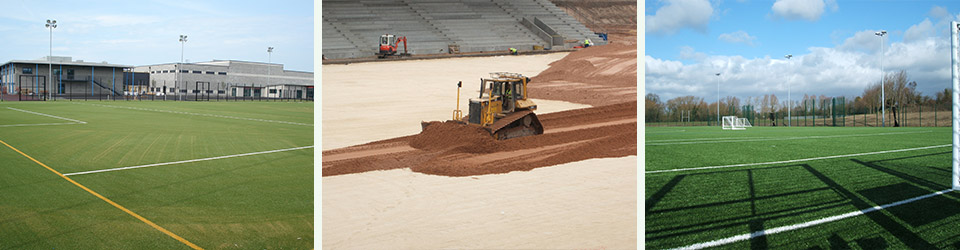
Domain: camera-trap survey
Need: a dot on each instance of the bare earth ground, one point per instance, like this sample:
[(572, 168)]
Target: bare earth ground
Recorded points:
[(599, 75), (454, 149), (452, 186), (560, 207), (365, 102)]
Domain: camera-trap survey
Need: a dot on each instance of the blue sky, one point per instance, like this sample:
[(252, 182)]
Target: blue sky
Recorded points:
[(147, 32), (834, 48)]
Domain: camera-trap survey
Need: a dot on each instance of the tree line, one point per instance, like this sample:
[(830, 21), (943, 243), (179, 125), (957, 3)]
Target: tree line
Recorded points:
[(899, 90)]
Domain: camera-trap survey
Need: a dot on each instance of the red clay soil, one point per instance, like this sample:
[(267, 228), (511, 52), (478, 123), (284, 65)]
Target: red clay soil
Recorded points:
[(598, 75), (454, 149)]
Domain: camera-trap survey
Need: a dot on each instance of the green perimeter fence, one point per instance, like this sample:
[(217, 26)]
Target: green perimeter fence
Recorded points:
[(828, 113)]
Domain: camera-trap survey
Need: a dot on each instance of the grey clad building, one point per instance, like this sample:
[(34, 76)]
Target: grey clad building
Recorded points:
[(217, 79), (31, 77), (228, 78)]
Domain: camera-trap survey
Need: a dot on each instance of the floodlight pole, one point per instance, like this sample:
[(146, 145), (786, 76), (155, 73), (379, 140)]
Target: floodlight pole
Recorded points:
[(789, 104), (718, 100), (183, 40), (51, 24), (269, 59), (955, 70), (883, 98)]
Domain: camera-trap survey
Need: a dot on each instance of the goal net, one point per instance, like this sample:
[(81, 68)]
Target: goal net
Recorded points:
[(732, 123), (955, 69), (743, 122)]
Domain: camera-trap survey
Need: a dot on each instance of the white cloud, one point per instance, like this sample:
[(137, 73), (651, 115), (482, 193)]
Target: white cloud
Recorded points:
[(661, 67), (864, 40), (679, 14), (809, 10), (919, 31), (688, 53), (939, 12), (738, 37), (844, 70)]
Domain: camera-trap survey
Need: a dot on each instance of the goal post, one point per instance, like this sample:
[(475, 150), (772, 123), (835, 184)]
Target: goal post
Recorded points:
[(743, 122), (955, 70), (731, 123)]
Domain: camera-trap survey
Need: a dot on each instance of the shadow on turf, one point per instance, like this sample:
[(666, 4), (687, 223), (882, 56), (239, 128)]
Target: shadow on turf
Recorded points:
[(754, 221), (935, 208)]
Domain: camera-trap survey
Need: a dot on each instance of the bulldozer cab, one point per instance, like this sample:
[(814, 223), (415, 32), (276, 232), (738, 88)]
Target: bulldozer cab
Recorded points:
[(506, 88)]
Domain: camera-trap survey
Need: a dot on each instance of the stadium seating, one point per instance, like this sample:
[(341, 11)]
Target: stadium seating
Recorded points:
[(351, 29)]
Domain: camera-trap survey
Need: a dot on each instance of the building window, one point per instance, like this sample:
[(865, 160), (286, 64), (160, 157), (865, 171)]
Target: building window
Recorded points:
[(222, 92), (165, 71), (222, 73), (28, 70), (273, 91), (196, 91), (209, 91), (184, 71), (256, 92), (233, 92), (197, 72), (210, 72)]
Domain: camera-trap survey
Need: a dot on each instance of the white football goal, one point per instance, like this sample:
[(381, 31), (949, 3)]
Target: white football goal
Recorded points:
[(744, 122), (955, 64), (732, 123)]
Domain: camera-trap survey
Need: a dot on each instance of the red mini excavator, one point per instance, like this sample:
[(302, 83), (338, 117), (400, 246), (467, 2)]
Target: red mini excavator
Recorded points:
[(388, 46)]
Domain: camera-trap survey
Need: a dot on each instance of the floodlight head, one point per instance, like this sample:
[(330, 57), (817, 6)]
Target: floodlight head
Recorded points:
[(788, 56), (269, 49), (881, 33), (718, 74), (183, 38)]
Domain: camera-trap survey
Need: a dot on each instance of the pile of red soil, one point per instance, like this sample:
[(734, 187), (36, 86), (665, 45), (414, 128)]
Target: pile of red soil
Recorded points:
[(454, 149), (599, 75), (455, 137)]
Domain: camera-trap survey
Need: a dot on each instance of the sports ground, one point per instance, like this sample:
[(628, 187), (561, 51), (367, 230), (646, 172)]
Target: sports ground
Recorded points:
[(800, 188), (156, 175)]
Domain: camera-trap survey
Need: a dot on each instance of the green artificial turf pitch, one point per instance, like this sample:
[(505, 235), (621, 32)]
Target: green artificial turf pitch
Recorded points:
[(260, 201), (695, 206)]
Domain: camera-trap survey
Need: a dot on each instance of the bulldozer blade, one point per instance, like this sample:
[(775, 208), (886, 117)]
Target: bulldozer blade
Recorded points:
[(517, 124)]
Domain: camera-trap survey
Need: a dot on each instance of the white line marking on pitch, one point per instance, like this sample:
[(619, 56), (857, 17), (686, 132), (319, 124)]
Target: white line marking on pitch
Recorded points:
[(806, 224), (786, 138), (663, 132), (797, 160), (705, 139), (187, 161), (210, 115), (38, 124), (53, 116)]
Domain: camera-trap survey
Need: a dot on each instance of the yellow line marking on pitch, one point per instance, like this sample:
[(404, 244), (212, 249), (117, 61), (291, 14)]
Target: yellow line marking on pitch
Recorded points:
[(135, 215)]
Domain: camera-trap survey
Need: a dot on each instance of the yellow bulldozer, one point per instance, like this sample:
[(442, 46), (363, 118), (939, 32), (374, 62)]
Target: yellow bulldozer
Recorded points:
[(502, 108)]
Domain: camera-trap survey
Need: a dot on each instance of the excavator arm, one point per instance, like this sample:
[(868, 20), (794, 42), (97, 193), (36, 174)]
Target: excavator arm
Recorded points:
[(404, 40)]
